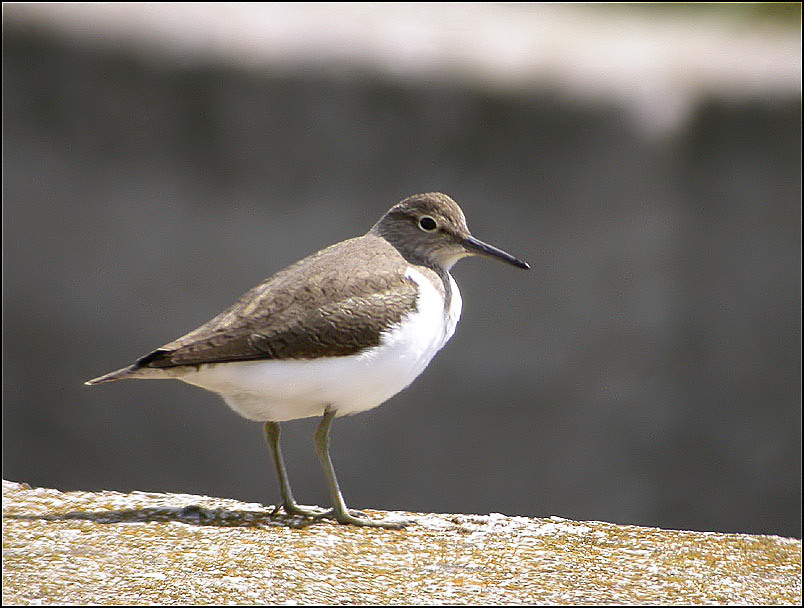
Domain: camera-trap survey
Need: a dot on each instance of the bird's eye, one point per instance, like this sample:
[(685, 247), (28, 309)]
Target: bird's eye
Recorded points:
[(427, 223)]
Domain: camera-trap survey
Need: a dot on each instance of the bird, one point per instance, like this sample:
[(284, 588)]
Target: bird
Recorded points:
[(337, 333)]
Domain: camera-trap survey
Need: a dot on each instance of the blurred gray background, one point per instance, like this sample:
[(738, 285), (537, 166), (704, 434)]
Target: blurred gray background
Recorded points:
[(159, 160)]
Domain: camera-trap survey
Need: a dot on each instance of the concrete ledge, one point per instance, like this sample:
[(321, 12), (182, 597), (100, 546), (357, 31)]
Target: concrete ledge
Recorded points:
[(144, 548)]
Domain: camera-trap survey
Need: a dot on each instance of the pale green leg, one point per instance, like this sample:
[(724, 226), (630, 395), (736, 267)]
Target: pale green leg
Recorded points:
[(288, 502), (339, 510)]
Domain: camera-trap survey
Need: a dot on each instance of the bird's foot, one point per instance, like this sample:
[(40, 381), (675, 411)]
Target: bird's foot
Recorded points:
[(293, 509), (358, 518), (348, 517)]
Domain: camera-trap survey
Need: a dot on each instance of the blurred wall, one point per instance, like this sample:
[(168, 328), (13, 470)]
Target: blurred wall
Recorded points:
[(647, 370)]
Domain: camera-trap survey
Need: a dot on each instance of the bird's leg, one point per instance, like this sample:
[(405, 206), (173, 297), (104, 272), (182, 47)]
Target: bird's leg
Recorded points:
[(339, 510), (288, 502)]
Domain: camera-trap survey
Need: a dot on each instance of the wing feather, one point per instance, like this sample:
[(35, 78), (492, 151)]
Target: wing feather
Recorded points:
[(326, 314)]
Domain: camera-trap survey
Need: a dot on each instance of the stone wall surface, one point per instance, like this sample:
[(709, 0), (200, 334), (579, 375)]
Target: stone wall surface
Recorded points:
[(148, 548)]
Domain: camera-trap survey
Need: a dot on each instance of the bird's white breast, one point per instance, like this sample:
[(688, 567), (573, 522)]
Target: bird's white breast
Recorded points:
[(290, 389)]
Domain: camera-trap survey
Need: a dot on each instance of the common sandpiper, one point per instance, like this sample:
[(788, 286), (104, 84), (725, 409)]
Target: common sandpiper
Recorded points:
[(337, 333)]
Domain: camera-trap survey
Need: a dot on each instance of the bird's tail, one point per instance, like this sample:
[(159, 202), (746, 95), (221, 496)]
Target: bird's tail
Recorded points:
[(128, 373)]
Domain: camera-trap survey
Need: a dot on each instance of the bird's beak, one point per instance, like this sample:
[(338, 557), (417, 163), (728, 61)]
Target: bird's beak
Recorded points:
[(476, 247)]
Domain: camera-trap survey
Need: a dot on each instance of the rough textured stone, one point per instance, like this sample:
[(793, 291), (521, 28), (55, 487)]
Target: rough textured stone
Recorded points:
[(145, 548)]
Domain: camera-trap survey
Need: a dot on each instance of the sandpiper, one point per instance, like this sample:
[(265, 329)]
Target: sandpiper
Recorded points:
[(336, 333)]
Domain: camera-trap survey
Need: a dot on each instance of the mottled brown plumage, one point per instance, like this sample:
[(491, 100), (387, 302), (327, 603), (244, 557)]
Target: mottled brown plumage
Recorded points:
[(329, 314), (334, 303)]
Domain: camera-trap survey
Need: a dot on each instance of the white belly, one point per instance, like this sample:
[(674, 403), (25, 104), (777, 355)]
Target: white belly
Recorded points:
[(287, 390)]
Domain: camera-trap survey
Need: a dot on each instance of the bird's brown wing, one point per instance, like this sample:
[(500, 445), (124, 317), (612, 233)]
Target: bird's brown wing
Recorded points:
[(305, 311)]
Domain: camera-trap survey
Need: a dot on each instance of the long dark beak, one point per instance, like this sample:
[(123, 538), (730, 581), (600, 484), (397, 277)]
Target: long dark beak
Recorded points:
[(477, 247)]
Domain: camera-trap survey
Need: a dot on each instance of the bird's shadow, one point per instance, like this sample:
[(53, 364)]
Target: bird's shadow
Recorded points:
[(191, 514)]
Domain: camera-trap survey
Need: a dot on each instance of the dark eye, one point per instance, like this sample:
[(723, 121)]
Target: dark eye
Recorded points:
[(427, 223)]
